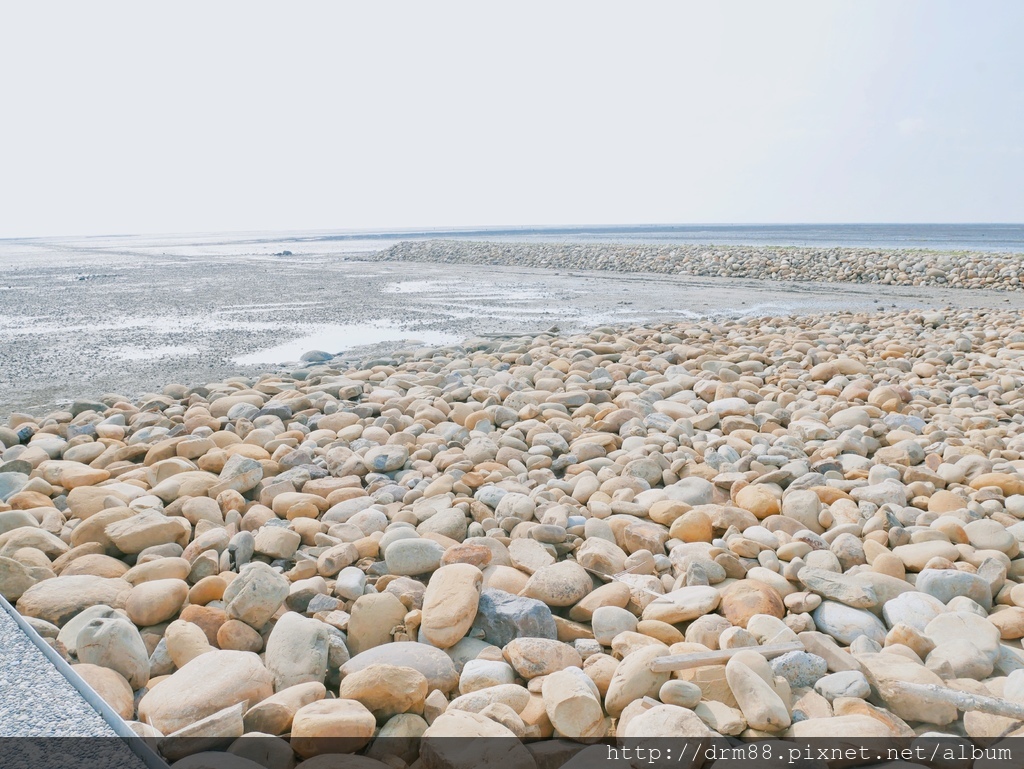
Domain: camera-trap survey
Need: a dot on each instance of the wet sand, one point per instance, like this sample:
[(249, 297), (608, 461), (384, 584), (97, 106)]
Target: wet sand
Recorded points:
[(87, 322)]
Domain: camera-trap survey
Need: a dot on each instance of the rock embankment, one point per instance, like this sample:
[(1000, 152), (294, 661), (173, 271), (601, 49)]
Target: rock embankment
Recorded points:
[(504, 538), (896, 267)]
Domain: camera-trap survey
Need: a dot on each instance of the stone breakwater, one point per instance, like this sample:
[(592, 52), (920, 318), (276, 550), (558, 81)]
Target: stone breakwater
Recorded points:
[(896, 267), (503, 538)]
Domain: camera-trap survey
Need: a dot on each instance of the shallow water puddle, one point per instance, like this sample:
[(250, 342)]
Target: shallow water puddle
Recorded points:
[(334, 338)]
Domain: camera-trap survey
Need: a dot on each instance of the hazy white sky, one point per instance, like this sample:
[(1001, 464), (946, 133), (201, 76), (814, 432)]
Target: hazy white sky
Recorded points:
[(121, 117)]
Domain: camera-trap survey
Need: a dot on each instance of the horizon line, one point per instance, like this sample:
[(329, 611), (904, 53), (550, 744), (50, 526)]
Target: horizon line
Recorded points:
[(383, 232)]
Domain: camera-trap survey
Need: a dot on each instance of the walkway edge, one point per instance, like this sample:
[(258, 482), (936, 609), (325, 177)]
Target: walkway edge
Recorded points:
[(139, 746)]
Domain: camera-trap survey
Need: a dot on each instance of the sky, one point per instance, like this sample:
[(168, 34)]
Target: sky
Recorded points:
[(127, 117)]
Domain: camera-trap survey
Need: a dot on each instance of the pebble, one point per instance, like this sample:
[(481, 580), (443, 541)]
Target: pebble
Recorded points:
[(666, 721), (412, 557), (255, 595), (573, 705), (373, 621), (886, 671), (182, 642), (747, 598), (682, 693), (633, 679), (846, 683), (483, 674), (111, 686), (536, 657), (683, 605), (761, 706), (151, 603), (845, 624), (838, 587), (946, 584), (559, 584), (450, 604), (115, 644), (436, 666), (502, 617), (913, 608), (297, 651), (274, 715), (59, 599), (386, 690), (609, 621), (800, 669), (331, 726)]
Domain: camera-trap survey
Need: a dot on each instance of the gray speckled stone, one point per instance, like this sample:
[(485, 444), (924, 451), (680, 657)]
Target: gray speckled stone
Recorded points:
[(799, 668)]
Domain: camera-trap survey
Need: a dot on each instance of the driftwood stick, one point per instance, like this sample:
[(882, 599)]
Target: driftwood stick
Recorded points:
[(617, 577), (995, 706), (699, 659)]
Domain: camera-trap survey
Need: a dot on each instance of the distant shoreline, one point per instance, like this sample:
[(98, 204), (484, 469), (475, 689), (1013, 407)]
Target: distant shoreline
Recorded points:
[(990, 237), (889, 267)]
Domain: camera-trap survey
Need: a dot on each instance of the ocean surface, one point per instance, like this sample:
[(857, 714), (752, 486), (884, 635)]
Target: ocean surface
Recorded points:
[(952, 237), (967, 237)]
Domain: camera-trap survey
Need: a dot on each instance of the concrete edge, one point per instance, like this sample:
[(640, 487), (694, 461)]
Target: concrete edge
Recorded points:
[(139, 746)]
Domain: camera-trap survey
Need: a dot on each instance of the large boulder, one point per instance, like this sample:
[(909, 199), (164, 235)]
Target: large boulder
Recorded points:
[(573, 704), (331, 726), (297, 651), (374, 617), (156, 601), (386, 690), (886, 672), (147, 529), (58, 600), (111, 686), (274, 714), (256, 594), (15, 579), (438, 751), (115, 643), (633, 679), (208, 684), (433, 663)]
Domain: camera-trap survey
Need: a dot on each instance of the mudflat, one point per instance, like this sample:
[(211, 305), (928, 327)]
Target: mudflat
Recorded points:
[(84, 319)]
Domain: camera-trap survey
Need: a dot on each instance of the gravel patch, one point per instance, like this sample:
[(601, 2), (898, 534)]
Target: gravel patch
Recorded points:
[(35, 699)]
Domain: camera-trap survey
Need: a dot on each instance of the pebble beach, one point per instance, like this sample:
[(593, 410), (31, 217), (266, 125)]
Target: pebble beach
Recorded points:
[(706, 524)]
